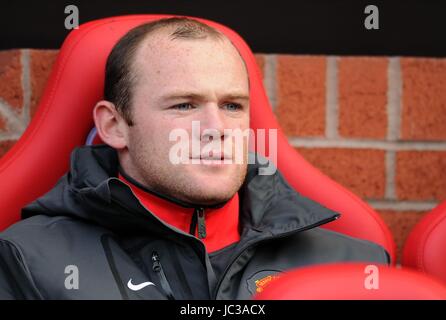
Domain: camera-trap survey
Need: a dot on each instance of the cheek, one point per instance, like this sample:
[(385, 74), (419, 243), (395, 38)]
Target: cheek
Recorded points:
[(147, 134), (154, 127), (242, 122), (161, 138)]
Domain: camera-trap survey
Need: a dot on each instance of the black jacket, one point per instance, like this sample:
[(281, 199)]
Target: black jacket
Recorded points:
[(92, 227)]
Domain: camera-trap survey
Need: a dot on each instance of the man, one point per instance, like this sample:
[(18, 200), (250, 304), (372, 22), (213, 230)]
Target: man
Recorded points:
[(130, 221)]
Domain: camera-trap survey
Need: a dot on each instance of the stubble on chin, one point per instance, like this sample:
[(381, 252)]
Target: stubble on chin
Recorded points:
[(187, 187)]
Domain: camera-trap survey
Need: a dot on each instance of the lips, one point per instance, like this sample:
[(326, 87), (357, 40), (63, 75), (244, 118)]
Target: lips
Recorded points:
[(218, 157), (213, 156)]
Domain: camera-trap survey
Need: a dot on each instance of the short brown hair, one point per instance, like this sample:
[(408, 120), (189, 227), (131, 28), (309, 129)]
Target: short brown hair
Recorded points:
[(119, 77)]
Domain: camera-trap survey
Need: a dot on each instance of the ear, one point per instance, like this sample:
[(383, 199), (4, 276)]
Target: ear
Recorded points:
[(111, 126)]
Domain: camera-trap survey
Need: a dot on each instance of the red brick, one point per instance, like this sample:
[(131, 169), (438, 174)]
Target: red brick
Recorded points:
[(400, 224), (5, 145), (11, 78), (3, 124), (360, 170), (362, 97), (41, 64), (260, 58), (421, 175), (424, 99), (301, 95)]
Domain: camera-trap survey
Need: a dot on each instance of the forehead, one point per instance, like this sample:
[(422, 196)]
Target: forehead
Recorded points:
[(163, 61)]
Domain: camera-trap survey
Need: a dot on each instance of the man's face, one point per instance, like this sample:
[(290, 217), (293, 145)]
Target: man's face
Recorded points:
[(178, 82)]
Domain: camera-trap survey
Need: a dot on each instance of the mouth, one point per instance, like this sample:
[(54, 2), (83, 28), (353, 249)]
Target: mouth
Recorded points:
[(212, 158)]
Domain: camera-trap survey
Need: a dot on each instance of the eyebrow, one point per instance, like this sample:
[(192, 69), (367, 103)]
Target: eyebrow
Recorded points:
[(197, 96)]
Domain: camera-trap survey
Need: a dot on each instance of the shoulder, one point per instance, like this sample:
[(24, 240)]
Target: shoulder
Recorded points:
[(320, 245), (40, 227), (47, 239), (346, 248)]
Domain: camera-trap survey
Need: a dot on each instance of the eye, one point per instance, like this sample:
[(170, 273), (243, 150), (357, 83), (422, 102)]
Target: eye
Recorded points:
[(183, 106), (233, 106)]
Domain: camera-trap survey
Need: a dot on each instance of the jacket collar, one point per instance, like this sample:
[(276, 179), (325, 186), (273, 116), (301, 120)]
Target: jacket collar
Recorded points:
[(217, 220)]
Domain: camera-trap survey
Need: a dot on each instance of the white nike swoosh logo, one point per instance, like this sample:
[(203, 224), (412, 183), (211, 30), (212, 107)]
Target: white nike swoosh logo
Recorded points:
[(136, 287)]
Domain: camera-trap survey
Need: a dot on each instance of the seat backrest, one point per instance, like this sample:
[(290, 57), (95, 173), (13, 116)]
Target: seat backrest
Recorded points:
[(425, 247), (353, 282), (64, 118)]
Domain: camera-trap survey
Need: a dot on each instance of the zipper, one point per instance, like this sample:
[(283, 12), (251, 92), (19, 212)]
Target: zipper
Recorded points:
[(283, 235), (201, 223), (157, 267), (198, 221)]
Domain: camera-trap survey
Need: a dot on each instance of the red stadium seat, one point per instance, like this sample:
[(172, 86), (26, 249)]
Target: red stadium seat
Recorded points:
[(64, 118), (353, 282), (425, 248)]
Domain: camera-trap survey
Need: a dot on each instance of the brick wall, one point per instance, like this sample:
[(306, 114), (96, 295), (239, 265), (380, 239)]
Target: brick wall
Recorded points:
[(377, 125)]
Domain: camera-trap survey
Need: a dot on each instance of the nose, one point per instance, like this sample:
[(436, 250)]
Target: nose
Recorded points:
[(212, 123)]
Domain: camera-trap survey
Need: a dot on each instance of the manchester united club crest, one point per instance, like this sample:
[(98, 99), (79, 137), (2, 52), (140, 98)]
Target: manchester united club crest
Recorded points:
[(261, 279)]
